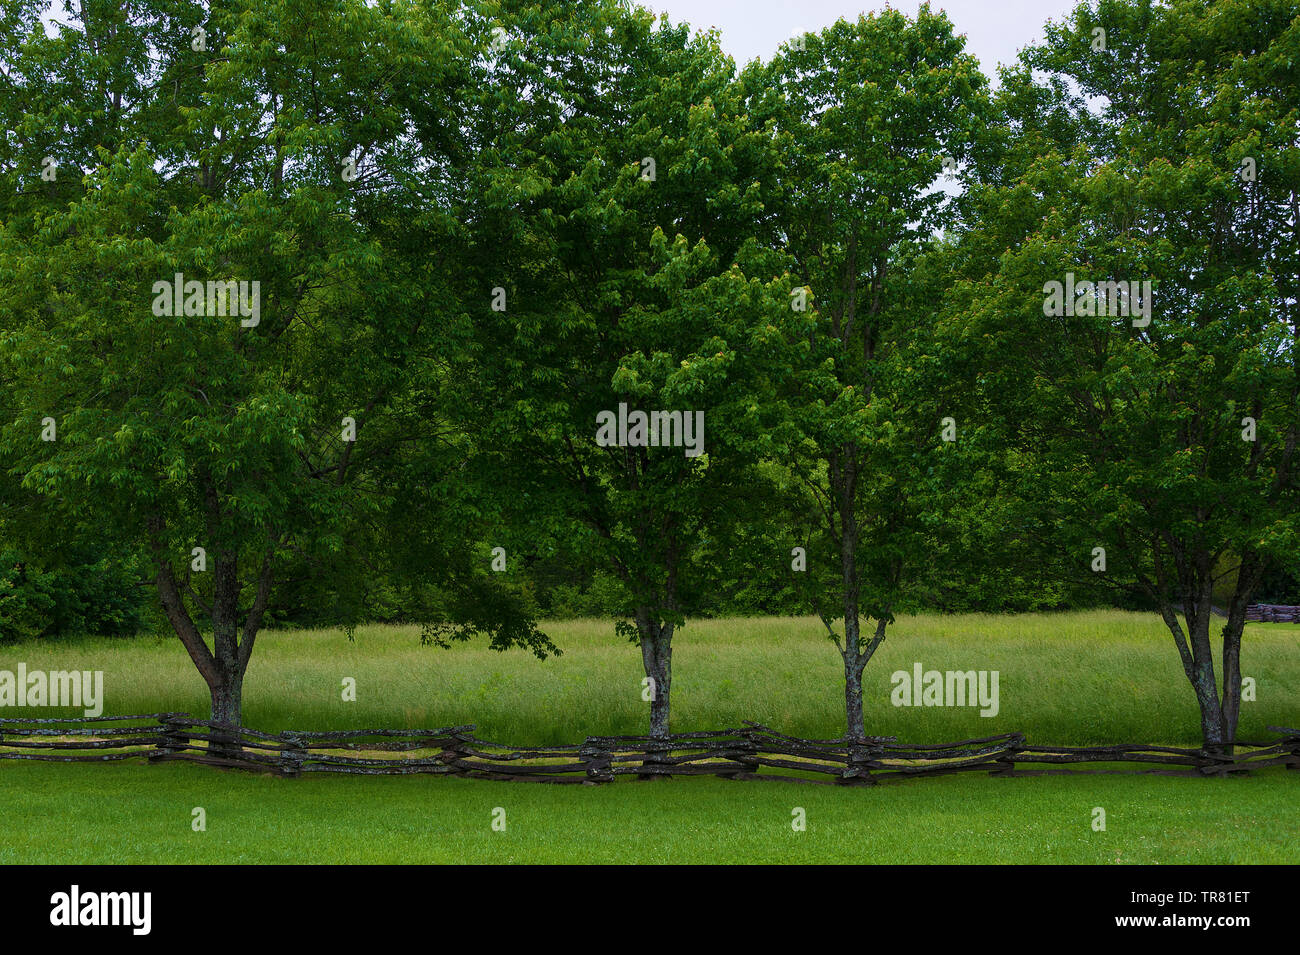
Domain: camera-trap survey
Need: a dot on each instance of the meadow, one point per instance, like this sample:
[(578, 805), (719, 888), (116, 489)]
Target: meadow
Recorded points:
[(1069, 678), (1066, 678)]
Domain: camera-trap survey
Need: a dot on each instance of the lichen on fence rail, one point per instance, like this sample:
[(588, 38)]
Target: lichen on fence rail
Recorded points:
[(751, 752)]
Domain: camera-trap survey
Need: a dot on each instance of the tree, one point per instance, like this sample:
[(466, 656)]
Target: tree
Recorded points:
[(866, 116), (1130, 303), (620, 188), (211, 322)]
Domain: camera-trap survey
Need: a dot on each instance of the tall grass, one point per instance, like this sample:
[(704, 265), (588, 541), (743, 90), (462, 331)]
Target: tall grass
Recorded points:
[(1069, 678)]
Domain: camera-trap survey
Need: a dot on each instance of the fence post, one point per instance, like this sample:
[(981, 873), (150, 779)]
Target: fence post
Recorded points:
[(292, 754), (169, 741), (856, 770), (743, 752), (1006, 760), (1214, 760), (1291, 738), (225, 742), (596, 758), (452, 752), (654, 748)]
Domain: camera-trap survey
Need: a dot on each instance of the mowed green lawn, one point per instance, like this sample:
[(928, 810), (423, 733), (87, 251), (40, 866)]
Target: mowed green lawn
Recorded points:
[(135, 813), (1067, 678), (1074, 678)]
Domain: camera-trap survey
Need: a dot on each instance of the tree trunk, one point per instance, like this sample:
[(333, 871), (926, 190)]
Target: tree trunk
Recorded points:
[(853, 665), (856, 657), (662, 673), (227, 701), (1207, 698), (853, 698), (224, 664), (1204, 681), (657, 660), (1198, 661), (1249, 573), (227, 712), (844, 479), (228, 685), (1231, 708)]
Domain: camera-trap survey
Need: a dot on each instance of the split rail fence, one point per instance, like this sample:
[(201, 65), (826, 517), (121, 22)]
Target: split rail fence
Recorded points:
[(1272, 613), (749, 752)]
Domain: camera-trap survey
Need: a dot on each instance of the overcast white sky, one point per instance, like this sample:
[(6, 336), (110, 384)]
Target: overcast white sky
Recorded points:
[(995, 29)]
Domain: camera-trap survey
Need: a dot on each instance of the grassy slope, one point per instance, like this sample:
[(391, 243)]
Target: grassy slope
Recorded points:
[(139, 813), (1068, 678)]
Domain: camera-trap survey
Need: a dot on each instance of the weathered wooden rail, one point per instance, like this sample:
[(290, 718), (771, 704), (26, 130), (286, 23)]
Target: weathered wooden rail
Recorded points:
[(1273, 613), (752, 751)]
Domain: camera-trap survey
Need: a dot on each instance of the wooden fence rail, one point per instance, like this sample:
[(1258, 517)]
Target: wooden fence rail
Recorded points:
[(1272, 613), (752, 751)]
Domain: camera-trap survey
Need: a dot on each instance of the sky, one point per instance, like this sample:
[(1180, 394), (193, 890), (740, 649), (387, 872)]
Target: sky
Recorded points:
[(995, 29)]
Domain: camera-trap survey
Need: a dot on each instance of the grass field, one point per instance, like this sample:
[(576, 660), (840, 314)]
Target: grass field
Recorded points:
[(129, 813), (1069, 678), (1075, 678)]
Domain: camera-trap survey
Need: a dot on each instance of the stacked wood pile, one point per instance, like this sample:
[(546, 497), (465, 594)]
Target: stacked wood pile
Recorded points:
[(752, 751), (1273, 613)]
